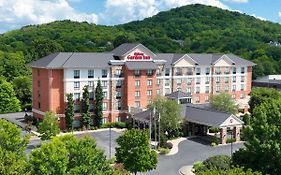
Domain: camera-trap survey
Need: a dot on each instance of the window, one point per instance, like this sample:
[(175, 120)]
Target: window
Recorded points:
[(178, 71), (38, 92), (207, 98), (39, 105), (233, 70), (189, 81), (233, 87), (242, 95), (104, 73), (158, 92), (149, 82), (242, 87), (217, 88), (104, 106), (118, 119), (242, 78), (118, 73), (76, 85), (233, 79), (76, 108), (91, 73), (188, 90), (104, 84), (38, 72), (207, 70), (91, 95), (137, 83), (119, 105), (197, 90), (189, 71), (137, 73), (104, 120), (218, 79), (233, 96), (178, 81), (226, 79), (158, 82), (226, 70), (149, 93), (207, 89), (197, 99), (167, 82), (198, 80), (207, 80), (167, 90), (38, 83), (91, 108), (198, 71), (104, 93), (158, 72), (76, 73), (226, 88), (91, 83), (242, 70), (137, 104), (218, 70), (149, 72), (167, 72), (118, 94), (118, 83), (137, 94), (76, 96)]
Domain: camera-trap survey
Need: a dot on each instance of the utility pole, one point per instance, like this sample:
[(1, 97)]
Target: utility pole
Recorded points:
[(150, 129), (155, 127), (110, 142), (159, 116)]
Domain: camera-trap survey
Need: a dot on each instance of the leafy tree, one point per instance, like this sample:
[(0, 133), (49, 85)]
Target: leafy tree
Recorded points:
[(23, 88), (44, 47), (261, 95), (69, 111), (98, 105), (231, 171), (134, 151), (49, 127), (223, 102), (9, 101), (219, 162), (86, 117), (262, 138)]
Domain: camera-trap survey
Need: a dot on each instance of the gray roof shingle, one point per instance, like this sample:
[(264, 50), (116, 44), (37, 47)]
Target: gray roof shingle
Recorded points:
[(178, 95), (140, 65)]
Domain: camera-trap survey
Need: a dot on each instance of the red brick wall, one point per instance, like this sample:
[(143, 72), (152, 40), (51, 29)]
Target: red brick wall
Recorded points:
[(249, 80)]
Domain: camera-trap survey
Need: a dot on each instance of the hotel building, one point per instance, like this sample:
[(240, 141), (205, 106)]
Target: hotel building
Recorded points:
[(132, 76)]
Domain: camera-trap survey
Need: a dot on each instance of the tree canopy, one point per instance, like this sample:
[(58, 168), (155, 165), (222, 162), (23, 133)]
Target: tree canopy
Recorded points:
[(223, 102), (49, 127)]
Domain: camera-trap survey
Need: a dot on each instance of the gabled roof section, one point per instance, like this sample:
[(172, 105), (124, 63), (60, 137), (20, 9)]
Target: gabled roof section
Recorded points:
[(53, 61), (178, 95), (125, 48), (220, 57), (178, 57), (240, 61)]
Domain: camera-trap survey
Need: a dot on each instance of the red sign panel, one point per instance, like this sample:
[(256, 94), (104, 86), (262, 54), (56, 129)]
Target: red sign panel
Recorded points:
[(138, 56)]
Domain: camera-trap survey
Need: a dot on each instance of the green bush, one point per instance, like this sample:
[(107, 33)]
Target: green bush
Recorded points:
[(216, 140), (164, 150), (214, 130), (169, 145), (120, 125), (163, 140), (230, 140), (214, 144), (220, 162), (107, 125), (198, 167)]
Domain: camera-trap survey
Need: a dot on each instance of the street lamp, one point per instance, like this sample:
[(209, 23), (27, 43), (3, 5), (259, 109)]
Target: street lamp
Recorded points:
[(110, 142), (231, 142)]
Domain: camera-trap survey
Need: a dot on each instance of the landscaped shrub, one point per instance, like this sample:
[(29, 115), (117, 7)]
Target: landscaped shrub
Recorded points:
[(199, 166), (216, 140), (214, 130), (120, 125), (107, 125), (169, 145), (230, 140), (220, 162), (163, 140), (164, 150)]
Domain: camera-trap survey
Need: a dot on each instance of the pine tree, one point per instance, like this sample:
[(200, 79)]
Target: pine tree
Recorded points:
[(86, 108), (98, 105), (69, 111)]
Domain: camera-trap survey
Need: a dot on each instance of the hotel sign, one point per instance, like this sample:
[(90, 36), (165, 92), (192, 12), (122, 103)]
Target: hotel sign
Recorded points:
[(138, 56)]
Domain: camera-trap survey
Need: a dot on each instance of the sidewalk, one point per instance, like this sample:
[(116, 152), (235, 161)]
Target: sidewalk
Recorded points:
[(186, 170), (175, 143)]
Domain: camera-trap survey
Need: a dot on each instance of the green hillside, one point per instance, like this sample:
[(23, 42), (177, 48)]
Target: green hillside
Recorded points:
[(193, 28)]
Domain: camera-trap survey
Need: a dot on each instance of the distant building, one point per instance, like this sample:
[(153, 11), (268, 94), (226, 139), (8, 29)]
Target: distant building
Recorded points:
[(270, 81), (132, 76)]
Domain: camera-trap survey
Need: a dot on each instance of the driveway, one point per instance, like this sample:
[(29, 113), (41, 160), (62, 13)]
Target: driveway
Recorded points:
[(190, 151)]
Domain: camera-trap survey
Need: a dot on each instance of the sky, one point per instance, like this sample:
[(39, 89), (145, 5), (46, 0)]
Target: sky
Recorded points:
[(17, 13)]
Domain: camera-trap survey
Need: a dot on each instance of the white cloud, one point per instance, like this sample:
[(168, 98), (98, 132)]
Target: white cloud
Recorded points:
[(237, 1), (178, 3), (279, 14), (259, 17), (18, 12)]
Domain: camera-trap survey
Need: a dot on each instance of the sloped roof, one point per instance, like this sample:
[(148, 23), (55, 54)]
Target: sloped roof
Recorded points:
[(140, 65), (178, 95), (143, 116), (55, 60), (125, 48)]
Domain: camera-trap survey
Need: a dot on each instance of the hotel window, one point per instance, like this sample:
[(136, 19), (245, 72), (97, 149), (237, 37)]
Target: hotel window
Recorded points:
[(137, 83), (38, 83), (198, 80), (189, 81), (167, 82), (91, 73), (198, 71), (137, 104), (233, 96), (149, 93), (118, 119), (118, 73), (39, 105), (189, 71), (178, 71), (178, 81), (218, 70), (149, 83), (158, 82), (38, 72), (197, 90), (76, 85), (242, 87), (217, 88), (38, 92), (91, 108), (207, 89), (104, 120), (226, 70), (233, 87), (188, 90), (119, 105), (158, 72), (104, 94), (167, 71), (226, 79), (76, 73), (242, 78), (104, 106), (242, 70), (91, 83), (207, 80), (218, 79), (207, 98), (197, 100), (104, 73), (242, 95), (91, 95), (104, 84), (207, 70), (118, 94), (76, 96), (137, 73), (158, 92), (234, 79), (167, 90), (233, 70), (137, 94), (118, 83), (226, 88), (149, 72), (76, 108)]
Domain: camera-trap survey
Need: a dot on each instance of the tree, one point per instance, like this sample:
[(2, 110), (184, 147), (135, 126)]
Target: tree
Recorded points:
[(262, 138), (86, 117), (98, 105), (223, 102), (260, 95), (49, 127), (69, 111), (134, 151), (23, 88), (9, 101), (231, 171)]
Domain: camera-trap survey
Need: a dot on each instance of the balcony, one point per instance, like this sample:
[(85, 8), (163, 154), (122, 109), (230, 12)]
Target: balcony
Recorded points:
[(178, 73), (118, 75), (218, 72), (104, 76), (118, 97), (226, 72), (118, 85), (189, 73)]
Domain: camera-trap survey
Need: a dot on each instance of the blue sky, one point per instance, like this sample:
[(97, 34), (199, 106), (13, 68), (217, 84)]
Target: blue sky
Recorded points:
[(17, 13)]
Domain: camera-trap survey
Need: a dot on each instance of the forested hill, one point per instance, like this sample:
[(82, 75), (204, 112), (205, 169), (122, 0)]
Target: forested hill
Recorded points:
[(193, 28)]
